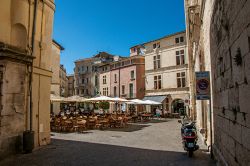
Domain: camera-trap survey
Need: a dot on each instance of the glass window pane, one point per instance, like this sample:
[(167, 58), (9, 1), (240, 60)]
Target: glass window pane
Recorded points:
[(159, 84), (177, 52), (178, 60), (182, 59), (155, 84), (178, 82), (155, 78), (181, 39), (183, 82), (178, 75), (159, 64), (183, 74), (176, 40), (182, 51)]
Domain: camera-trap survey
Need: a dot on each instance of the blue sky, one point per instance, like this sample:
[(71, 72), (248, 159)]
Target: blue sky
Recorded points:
[(85, 27)]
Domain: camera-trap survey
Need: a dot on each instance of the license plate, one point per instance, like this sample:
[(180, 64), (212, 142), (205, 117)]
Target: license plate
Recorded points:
[(190, 145)]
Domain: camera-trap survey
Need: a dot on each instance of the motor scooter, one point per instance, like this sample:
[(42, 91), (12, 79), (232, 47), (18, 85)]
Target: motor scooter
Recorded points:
[(189, 137)]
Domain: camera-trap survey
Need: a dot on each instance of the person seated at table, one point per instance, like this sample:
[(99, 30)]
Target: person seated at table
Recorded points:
[(101, 112), (61, 113)]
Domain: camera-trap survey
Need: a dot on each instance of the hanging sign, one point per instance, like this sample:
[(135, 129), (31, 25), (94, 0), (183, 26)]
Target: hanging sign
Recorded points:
[(202, 85)]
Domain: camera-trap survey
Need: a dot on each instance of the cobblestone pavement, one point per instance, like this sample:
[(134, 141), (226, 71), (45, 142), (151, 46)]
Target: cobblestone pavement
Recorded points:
[(154, 143)]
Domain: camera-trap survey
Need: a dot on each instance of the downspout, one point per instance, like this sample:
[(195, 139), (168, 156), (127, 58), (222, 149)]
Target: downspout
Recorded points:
[(31, 73)]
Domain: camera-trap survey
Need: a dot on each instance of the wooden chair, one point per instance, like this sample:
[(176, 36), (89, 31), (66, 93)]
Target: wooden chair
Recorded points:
[(81, 125)]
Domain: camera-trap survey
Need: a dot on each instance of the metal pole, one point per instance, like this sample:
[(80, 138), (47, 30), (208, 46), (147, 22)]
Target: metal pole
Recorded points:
[(31, 73), (211, 134)]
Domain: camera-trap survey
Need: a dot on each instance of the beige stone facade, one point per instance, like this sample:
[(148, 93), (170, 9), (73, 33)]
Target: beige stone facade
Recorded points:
[(218, 41), (87, 74), (56, 80), (16, 17), (63, 81), (71, 85), (166, 71), (104, 79), (55, 66)]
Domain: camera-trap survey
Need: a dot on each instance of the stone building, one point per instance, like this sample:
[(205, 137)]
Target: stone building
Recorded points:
[(87, 74), (71, 83), (104, 79), (25, 72), (63, 81), (166, 72), (218, 41), (55, 68), (127, 78)]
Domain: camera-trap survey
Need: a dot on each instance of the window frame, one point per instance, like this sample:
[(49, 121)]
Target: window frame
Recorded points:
[(181, 79)]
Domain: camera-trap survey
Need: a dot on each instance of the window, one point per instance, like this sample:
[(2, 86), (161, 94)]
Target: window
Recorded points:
[(179, 40), (157, 82), (115, 93), (104, 80), (131, 90), (105, 92), (82, 68), (83, 81), (87, 68), (132, 74), (123, 89), (181, 79), (157, 62), (156, 45), (87, 91), (96, 80), (115, 78), (180, 59), (82, 91), (87, 80)]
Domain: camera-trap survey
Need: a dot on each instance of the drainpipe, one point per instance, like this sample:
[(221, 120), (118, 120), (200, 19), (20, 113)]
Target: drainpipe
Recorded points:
[(33, 49), (28, 136)]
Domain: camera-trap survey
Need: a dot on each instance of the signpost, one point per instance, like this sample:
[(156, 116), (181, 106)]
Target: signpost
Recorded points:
[(202, 85), (203, 93)]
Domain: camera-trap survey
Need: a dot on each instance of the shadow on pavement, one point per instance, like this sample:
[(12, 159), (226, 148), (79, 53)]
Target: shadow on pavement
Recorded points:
[(131, 127), (62, 152)]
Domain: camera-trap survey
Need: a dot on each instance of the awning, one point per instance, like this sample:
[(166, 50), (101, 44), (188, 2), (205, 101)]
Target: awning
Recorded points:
[(155, 98)]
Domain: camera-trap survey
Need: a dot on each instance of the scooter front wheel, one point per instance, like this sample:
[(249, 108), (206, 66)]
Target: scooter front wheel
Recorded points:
[(190, 153)]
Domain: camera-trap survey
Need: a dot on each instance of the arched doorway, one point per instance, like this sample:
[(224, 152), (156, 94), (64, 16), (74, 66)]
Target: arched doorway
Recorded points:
[(178, 106)]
